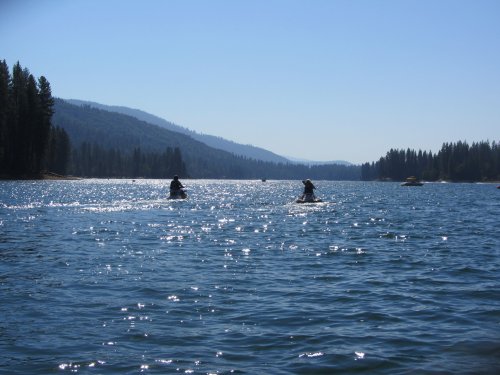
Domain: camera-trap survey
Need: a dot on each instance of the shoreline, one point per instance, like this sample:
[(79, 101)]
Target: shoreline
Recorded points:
[(47, 176), (40, 177), (55, 176)]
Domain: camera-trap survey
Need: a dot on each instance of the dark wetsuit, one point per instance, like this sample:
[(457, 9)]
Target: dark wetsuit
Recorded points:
[(175, 186), (309, 187)]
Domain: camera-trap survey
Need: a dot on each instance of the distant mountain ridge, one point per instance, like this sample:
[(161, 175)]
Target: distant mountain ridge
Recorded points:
[(311, 162), (219, 143), (106, 134)]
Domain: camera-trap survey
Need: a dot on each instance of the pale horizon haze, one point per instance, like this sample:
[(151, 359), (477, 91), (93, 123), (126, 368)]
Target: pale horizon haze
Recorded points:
[(316, 80)]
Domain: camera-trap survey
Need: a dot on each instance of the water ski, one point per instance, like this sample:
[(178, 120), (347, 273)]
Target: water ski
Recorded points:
[(308, 198), (179, 194)]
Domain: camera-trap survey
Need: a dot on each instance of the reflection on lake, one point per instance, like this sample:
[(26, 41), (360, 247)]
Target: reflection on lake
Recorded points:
[(108, 276)]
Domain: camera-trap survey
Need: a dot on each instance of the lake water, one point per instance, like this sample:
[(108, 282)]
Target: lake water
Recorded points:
[(109, 277)]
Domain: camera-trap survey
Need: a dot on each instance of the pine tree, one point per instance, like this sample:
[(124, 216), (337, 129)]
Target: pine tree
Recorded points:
[(25, 121), (44, 121), (5, 82), (59, 151)]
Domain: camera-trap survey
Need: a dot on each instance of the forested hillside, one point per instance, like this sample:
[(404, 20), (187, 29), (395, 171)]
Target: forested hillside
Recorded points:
[(41, 134), (111, 139), (220, 143)]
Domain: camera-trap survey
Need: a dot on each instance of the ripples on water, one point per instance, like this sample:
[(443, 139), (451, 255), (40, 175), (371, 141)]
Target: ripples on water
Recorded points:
[(105, 277)]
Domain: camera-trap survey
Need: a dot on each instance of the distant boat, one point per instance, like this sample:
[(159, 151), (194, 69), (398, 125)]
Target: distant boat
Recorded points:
[(264, 180), (412, 181)]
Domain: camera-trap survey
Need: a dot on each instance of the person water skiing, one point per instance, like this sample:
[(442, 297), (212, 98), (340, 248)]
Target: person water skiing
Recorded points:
[(308, 194), (176, 188), (308, 188)]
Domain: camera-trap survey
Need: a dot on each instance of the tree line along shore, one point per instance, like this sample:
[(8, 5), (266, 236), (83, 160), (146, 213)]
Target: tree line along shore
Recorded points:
[(454, 162), (31, 147)]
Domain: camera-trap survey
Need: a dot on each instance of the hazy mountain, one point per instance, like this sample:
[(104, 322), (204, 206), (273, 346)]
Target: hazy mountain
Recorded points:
[(112, 130), (210, 140), (312, 162), (120, 133)]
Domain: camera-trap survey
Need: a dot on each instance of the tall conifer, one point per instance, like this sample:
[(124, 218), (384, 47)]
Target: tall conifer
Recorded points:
[(4, 114)]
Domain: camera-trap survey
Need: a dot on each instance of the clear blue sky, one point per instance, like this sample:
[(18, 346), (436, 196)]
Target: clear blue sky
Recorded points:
[(312, 79)]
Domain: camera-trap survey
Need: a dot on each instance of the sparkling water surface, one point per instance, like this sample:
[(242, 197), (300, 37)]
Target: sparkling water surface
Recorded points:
[(110, 277)]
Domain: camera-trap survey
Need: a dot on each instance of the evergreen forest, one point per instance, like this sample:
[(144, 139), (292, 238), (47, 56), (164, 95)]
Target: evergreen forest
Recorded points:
[(111, 144), (458, 162), (28, 141), (41, 134), (30, 144)]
